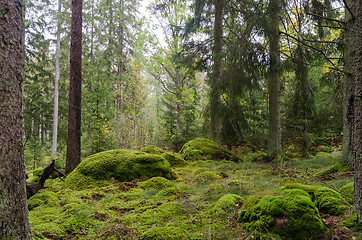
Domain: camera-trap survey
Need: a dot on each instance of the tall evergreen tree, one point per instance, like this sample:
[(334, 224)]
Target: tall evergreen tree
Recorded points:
[(74, 118), (274, 139), (14, 222)]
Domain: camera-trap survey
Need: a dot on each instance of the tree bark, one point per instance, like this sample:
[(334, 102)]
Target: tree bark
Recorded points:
[(348, 86), (357, 127), (75, 92), (56, 87), (274, 138), (215, 97), (14, 222)]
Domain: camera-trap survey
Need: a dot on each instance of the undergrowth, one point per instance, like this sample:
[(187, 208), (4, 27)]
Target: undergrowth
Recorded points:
[(203, 202)]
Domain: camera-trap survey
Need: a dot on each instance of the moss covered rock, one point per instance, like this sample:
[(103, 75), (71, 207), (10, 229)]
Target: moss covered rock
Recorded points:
[(205, 149), (165, 233), (157, 183), (327, 200), (227, 204), (152, 150), (289, 213), (206, 177), (174, 159), (348, 190), (122, 165)]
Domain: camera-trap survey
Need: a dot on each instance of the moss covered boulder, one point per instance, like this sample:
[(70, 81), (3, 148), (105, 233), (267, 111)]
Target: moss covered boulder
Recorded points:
[(205, 149), (289, 213), (227, 204), (157, 183), (173, 158), (326, 200), (122, 165), (348, 191), (165, 233)]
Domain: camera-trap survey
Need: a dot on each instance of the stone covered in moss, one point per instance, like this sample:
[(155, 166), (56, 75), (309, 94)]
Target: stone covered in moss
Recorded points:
[(122, 165), (205, 149), (157, 183), (289, 213), (165, 233), (327, 200), (174, 159), (348, 190), (206, 177), (152, 150), (226, 204)]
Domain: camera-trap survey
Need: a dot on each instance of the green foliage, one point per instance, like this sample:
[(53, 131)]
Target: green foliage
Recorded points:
[(227, 204)]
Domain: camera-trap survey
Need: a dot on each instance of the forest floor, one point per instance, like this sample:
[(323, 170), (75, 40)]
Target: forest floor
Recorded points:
[(190, 204)]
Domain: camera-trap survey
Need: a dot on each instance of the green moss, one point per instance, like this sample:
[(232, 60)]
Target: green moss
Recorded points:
[(226, 204), (352, 222), (165, 233), (168, 192), (206, 177), (289, 213), (338, 167), (174, 159), (122, 165), (157, 183), (348, 190), (77, 225), (43, 199), (327, 200), (205, 149), (152, 150)]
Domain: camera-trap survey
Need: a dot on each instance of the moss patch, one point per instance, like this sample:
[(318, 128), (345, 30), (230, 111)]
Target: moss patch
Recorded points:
[(174, 159), (348, 190), (157, 183), (205, 149), (227, 204), (327, 200), (165, 233), (338, 167), (121, 165), (288, 213), (206, 177), (152, 150)]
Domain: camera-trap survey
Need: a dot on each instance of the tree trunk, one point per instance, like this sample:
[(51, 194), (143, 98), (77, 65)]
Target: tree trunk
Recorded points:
[(215, 97), (348, 86), (274, 139), (357, 128), (14, 222), (56, 87), (75, 92)]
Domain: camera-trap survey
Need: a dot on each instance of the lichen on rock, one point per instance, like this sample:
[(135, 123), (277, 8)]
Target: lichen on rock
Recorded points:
[(122, 165), (205, 149)]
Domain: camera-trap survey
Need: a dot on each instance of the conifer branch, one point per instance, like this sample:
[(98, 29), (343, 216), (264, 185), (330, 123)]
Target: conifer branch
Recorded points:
[(326, 18), (319, 41), (348, 8), (314, 48)]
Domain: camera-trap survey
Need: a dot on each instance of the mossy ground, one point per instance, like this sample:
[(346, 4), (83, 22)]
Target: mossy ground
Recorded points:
[(188, 207)]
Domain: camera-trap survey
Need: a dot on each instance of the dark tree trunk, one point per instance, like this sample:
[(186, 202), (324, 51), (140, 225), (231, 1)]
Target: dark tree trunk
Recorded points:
[(349, 78), (215, 99), (274, 138), (75, 92), (14, 222), (357, 128)]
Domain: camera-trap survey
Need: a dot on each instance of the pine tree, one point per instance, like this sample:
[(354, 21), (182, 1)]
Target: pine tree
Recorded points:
[(14, 220), (74, 118)]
